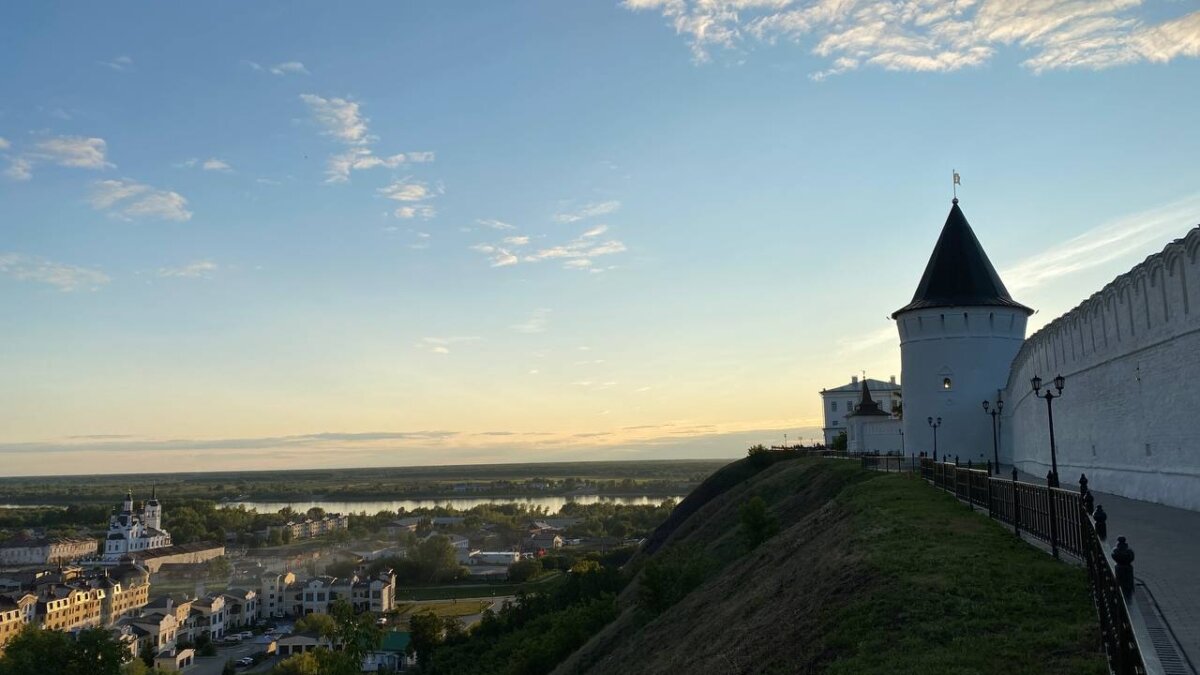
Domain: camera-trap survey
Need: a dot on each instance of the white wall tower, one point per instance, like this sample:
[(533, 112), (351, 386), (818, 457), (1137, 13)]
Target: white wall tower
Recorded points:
[(958, 337)]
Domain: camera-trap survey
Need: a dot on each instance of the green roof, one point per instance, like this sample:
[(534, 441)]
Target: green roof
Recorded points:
[(395, 641)]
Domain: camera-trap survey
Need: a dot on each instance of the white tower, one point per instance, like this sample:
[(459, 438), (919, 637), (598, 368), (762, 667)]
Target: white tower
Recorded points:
[(153, 512), (958, 338)]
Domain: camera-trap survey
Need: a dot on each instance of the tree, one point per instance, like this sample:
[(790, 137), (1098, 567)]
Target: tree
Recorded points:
[(219, 568), (670, 575), (524, 570), (758, 523), (839, 442), (37, 652), (34, 652), (356, 634), (301, 664), (321, 624), (436, 560), (425, 631), (97, 651)]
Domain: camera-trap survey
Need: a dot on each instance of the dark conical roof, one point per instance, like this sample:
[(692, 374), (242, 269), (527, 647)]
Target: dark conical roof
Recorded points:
[(959, 273), (867, 405)]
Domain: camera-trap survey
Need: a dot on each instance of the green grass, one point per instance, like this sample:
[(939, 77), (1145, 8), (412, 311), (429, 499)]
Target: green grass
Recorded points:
[(459, 591), (954, 592), (443, 609)]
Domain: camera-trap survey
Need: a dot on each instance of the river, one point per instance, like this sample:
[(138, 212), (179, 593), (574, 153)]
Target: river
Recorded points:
[(551, 504)]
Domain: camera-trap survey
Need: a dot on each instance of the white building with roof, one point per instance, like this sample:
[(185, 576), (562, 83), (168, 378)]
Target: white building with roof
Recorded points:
[(839, 402)]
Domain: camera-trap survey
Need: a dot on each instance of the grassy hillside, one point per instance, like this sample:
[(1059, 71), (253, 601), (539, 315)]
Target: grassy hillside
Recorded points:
[(869, 573)]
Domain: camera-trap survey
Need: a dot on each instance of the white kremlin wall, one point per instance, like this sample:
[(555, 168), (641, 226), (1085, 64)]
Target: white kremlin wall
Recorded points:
[(1129, 416)]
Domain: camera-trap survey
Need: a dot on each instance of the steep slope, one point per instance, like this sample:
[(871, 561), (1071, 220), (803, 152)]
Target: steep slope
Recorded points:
[(869, 573)]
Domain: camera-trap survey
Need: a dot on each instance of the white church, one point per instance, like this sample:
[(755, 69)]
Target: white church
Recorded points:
[(1121, 352), (132, 531)]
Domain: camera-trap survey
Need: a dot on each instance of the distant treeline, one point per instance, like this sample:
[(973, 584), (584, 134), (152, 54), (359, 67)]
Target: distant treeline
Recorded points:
[(510, 480)]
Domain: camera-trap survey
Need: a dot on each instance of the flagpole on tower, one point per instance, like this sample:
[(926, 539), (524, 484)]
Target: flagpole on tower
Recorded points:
[(956, 180)]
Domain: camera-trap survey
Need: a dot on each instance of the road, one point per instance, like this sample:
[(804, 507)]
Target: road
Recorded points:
[(212, 665)]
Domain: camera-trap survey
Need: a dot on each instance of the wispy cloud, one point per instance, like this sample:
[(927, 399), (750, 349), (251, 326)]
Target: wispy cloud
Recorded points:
[(587, 211), (193, 270), (78, 152), (935, 35), (342, 120), (210, 164), (1135, 234), (4, 144), (577, 254), (410, 193), (62, 276), (119, 64), (496, 224), (500, 256), (441, 345), (19, 168), (285, 68), (131, 200), (536, 323)]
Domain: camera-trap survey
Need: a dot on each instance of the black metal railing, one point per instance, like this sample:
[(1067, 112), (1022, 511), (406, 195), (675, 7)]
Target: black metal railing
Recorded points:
[(1068, 521)]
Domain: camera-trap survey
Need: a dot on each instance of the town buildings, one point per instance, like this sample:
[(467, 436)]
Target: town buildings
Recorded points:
[(317, 595), (24, 550), (309, 528), (71, 598), (838, 403)]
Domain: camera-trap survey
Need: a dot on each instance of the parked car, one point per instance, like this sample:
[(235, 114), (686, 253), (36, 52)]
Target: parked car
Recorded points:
[(246, 634)]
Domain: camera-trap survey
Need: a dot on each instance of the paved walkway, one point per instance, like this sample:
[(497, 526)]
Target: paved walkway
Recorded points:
[(1166, 541)]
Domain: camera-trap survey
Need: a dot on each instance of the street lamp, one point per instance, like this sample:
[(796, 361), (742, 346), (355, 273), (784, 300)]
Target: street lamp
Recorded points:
[(995, 413), (934, 426), (1059, 381)]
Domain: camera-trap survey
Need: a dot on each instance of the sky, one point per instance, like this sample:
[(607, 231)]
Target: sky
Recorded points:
[(287, 234)]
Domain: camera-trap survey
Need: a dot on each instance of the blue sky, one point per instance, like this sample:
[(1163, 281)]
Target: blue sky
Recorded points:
[(286, 234)]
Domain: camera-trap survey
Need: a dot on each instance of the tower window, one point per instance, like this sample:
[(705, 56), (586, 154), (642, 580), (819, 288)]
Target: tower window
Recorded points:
[(833, 406), (946, 384)]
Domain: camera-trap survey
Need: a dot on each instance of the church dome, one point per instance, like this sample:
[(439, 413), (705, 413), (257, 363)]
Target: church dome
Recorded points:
[(959, 273)]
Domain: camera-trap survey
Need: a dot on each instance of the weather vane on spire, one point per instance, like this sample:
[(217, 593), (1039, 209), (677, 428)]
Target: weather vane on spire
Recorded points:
[(957, 182)]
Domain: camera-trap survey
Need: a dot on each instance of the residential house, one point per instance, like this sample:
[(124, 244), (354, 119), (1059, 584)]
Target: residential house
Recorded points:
[(298, 643), (542, 542), (18, 609), (391, 656), (173, 661), (155, 632), (241, 608), (208, 617), (271, 603)]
